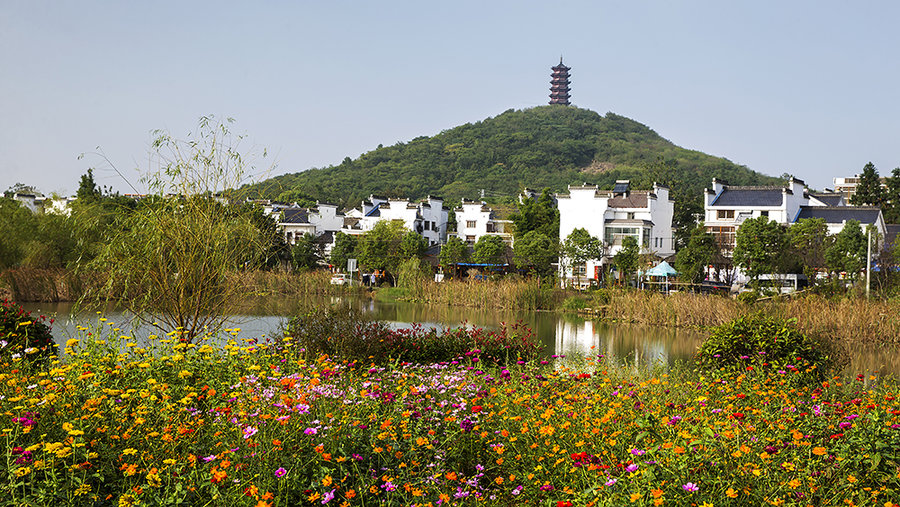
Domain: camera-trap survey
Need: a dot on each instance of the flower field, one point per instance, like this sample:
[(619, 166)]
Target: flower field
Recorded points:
[(119, 421)]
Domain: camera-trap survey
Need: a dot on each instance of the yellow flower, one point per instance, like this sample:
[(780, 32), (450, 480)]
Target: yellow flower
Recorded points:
[(21, 472), (851, 479)]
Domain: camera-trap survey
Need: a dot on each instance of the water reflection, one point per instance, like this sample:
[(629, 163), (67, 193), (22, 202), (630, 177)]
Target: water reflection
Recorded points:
[(560, 335)]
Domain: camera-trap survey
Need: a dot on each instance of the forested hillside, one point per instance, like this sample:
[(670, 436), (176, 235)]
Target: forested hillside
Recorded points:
[(547, 146)]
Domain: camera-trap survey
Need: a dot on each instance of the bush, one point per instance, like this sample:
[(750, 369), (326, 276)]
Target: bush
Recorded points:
[(22, 333), (574, 303), (347, 334), (759, 340), (749, 297)]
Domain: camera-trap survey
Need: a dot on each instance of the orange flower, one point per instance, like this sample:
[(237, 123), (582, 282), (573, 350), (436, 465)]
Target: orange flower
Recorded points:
[(819, 451)]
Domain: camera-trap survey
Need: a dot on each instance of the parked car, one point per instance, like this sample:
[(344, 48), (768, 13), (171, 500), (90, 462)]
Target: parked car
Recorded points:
[(340, 279)]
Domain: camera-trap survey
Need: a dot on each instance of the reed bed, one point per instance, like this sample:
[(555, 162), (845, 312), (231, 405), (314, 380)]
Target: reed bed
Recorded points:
[(506, 293), (849, 319), (45, 285)]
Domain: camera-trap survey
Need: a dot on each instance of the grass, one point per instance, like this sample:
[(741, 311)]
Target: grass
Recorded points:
[(120, 421)]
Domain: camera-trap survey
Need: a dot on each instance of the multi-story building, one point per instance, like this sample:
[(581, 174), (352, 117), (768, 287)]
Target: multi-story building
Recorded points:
[(611, 216), (428, 217), (475, 219)]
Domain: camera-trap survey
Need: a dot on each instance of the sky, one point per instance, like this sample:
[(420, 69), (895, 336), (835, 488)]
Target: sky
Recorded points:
[(808, 88)]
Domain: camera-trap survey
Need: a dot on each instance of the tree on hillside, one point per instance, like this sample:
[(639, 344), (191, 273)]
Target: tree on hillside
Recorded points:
[(171, 261), (760, 247), (868, 190), (700, 252), (489, 249), (535, 252)]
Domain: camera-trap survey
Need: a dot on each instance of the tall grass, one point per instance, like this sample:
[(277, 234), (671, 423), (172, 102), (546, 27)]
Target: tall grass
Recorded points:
[(850, 319), (506, 293), (45, 285)]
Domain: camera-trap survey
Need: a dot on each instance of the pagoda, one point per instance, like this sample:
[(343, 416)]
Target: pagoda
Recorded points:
[(559, 84)]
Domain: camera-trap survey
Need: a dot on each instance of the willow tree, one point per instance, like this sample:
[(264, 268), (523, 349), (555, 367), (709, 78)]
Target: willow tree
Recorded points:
[(173, 260)]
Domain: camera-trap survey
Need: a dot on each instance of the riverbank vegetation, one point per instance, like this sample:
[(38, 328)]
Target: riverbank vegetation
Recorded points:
[(120, 420)]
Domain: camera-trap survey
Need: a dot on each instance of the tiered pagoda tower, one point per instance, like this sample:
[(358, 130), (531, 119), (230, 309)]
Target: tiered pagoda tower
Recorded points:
[(559, 84)]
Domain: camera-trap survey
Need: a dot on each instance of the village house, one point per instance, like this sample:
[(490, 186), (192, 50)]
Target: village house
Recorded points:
[(611, 216), (475, 219), (428, 218), (322, 222), (727, 207)]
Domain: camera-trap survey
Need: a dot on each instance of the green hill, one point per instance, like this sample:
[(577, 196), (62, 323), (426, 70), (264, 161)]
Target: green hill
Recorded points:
[(547, 146)]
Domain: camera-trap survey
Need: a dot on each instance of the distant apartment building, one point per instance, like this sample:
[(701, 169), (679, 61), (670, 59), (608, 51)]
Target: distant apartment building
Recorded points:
[(611, 216)]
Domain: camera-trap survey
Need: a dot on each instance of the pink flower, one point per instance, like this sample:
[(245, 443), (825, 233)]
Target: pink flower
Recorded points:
[(690, 487), (249, 431), (281, 472)]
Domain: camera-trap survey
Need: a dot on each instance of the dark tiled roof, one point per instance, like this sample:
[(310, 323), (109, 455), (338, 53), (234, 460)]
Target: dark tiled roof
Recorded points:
[(891, 233), (632, 200), (838, 214), (621, 187), (761, 196), (832, 199), (295, 216), (375, 212)]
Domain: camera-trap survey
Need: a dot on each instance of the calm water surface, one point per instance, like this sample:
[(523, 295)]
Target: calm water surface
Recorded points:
[(565, 335)]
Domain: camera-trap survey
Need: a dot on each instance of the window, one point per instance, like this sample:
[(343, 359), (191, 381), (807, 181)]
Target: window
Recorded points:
[(579, 269), (724, 236), (427, 226), (470, 224), (470, 238), (764, 213), (725, 214), (630, 215)]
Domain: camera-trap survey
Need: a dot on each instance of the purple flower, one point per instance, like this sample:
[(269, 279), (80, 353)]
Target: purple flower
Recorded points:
[(690, 487), (638, 452), (209, 458), (281, 472), (328, 497), (310, 431), (631, 468), (845, 424)]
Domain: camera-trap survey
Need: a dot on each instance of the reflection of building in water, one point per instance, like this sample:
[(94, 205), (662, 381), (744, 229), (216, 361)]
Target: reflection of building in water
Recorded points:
[(637, 345)]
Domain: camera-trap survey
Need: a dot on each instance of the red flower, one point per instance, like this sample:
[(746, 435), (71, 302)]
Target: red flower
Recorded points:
[(476, 409), (738, 415), (563, 504)]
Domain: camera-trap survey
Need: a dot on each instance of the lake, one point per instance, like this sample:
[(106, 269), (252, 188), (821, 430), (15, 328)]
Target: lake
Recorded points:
[(561, 334)]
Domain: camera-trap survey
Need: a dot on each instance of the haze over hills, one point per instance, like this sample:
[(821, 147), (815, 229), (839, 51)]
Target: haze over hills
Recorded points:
[(547, 146)]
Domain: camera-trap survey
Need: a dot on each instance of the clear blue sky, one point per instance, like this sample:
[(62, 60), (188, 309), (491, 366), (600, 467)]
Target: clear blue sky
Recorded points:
[(805, 87)]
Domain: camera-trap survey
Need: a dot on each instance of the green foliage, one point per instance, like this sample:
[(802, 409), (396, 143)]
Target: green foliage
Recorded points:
[(537, 215), (760, 340), (381, 247), (344, 248), (454, 251), (760, 247), (305, 253), (538, 147), (412, 273), (23, 334), (18, 226), (413, 246), (489, 249), (891, 206), (580, 247), (169, 260), (574, 303), (87, 188), (535, 252), (626, 259), (700, 251), (847, 252), (808, 238), (868, 189), (347, 333)]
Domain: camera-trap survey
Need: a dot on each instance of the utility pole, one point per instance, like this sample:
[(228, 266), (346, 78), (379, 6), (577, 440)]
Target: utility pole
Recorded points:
[(868, 261)]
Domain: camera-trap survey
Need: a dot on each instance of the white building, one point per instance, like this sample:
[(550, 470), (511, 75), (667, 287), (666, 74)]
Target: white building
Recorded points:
[(475, 219), (321, 222), (428, 217), (726, 208), (613, 215)]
